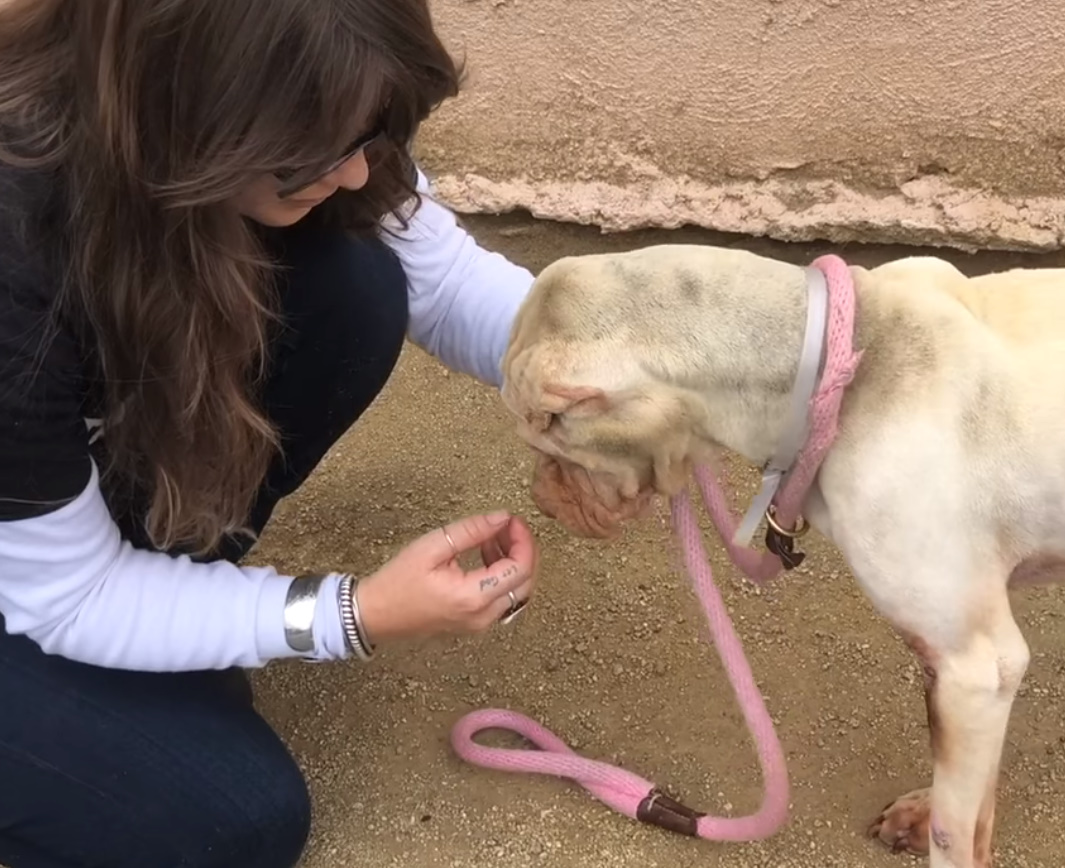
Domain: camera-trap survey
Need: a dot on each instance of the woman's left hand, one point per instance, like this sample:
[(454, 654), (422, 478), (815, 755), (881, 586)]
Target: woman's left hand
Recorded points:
[(515, 533), (424, 591)]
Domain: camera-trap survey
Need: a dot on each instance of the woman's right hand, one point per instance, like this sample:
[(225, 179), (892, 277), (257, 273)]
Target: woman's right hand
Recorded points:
[(423, 591)]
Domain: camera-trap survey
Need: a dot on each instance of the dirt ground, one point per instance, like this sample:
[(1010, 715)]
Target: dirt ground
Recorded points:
[(613, 657)]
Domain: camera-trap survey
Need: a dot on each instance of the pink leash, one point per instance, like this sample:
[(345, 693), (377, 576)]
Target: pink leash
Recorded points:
[(628, 793)]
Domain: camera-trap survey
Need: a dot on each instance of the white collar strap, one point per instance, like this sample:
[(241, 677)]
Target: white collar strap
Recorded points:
[(796, 431)]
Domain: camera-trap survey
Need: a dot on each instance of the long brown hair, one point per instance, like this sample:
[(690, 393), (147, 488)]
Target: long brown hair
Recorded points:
[(150, 115)]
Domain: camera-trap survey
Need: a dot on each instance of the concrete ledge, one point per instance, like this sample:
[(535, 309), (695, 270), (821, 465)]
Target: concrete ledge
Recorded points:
[(926, 211)]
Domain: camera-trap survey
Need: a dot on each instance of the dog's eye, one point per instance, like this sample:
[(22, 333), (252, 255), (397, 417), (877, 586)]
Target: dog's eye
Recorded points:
[(551, 421), (542, 421)]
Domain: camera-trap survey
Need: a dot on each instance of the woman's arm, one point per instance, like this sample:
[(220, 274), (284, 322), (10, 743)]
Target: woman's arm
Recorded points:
[(463, 298), (73, 585), (67, 578)]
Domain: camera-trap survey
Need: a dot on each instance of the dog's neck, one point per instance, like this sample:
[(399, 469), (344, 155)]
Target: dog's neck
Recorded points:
[(752, 336)]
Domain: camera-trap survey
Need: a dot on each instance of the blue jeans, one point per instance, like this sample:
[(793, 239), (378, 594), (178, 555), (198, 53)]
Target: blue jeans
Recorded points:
[(124, 769)]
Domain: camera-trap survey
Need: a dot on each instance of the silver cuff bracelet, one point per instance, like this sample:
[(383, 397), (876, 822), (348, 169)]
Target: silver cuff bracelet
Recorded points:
[(300, 603)]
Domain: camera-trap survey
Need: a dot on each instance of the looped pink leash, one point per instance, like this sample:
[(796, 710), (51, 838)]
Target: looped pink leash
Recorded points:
[(624, 791)]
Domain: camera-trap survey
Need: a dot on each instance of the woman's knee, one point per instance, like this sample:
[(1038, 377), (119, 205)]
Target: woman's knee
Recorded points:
[(345, 310), (272, 825), (255, 813), (121, 768), (372, 306), (249, 808), (345, 291)]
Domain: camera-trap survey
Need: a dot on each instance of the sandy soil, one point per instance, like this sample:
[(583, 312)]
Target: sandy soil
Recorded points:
[(613, 657)]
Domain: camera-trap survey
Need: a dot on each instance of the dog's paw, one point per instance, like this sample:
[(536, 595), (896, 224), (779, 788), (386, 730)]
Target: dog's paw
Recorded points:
[(903, 825)]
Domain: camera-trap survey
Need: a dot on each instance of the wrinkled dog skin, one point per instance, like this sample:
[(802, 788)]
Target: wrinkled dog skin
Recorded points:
[(945, 486), (590, 505)]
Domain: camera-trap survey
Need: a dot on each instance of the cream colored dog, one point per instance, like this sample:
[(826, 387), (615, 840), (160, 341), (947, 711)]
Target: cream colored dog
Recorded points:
[(945, 486)]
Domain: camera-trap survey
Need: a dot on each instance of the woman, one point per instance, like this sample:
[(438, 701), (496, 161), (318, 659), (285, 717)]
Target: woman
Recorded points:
[(210, 253)]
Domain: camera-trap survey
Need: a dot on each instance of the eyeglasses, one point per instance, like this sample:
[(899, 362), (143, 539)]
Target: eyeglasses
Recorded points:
[(294, 180)]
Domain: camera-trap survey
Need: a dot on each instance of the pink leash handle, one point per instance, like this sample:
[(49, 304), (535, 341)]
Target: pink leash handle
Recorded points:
[(628, 793)]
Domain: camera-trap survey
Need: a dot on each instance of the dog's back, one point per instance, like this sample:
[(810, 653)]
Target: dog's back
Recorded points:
[(1021, 305)]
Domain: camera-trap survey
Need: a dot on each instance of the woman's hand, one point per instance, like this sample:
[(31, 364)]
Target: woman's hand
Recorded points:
[(423, 591)]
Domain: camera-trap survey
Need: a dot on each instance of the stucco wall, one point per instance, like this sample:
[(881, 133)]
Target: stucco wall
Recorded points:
[(928, 121)]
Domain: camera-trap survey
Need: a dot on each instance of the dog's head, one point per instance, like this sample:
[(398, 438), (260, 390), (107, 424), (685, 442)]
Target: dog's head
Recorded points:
[(609, 435)]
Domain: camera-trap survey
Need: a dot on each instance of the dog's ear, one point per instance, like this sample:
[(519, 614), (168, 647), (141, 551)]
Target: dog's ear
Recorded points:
[(557, 399), (672, 468), (674, 450)]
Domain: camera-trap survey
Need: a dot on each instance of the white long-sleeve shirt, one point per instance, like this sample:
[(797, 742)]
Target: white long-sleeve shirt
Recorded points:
[(70, 582)]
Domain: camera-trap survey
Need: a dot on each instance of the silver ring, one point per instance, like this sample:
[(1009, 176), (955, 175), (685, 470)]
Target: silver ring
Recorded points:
[(516, 607), (450, 542)]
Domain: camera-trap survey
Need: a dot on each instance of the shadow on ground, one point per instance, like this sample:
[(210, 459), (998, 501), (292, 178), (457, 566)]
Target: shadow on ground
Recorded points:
[(613, 658)]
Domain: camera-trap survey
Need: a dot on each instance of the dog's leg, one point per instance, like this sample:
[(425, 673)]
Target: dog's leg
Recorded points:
[(974, 697), (970, 688), (928, 557)]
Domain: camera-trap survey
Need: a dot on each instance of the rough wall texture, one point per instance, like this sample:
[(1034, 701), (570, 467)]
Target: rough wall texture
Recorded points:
[(919, 121)]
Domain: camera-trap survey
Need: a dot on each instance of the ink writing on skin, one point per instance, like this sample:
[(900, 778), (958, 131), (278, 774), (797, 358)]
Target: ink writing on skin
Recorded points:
[(492, 581)]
